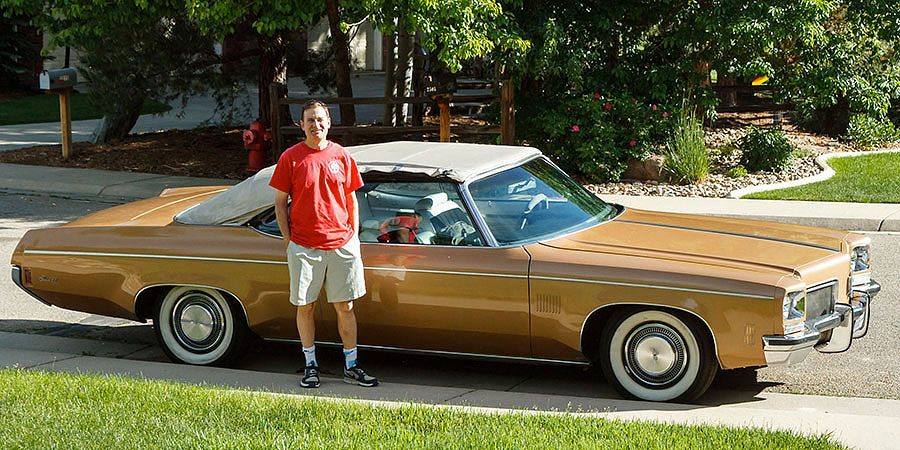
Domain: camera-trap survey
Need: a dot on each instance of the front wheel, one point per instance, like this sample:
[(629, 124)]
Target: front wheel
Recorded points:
[(199, 326), (654, 355)]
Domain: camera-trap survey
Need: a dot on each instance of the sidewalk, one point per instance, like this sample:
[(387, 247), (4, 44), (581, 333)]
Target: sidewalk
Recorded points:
[(859, 422)]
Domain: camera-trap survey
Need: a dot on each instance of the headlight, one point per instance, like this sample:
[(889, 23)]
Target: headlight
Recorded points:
[(859, 259), (794, 305)]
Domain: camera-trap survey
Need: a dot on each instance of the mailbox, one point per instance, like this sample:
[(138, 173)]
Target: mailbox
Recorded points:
[(440, 84), (58, 79)]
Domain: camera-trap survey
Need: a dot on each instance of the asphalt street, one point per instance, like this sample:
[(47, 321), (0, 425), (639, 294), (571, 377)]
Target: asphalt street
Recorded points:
[(866, 370)]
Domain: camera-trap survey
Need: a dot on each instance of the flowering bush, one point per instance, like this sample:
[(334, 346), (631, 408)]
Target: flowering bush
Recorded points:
[(597, 134)]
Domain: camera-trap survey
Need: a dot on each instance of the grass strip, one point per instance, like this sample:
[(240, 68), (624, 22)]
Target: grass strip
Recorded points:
[(45, 108), (59, 410), (872, 178)]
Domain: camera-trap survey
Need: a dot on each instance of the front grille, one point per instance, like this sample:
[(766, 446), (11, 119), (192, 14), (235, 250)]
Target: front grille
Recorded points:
[(820, 300)]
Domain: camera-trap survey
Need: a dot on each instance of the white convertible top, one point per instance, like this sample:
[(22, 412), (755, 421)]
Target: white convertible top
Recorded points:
[(455, 161)]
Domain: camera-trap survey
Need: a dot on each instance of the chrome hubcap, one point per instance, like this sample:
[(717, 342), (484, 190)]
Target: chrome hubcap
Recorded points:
[(655, 354), (198, 322)]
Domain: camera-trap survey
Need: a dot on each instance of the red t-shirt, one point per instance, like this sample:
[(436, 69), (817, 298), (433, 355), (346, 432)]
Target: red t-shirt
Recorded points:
[(318, 182)]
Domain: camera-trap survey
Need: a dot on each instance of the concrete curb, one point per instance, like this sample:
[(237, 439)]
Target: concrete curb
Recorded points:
[(821, 160)]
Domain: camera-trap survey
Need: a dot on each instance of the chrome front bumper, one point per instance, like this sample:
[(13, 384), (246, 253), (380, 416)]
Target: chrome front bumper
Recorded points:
[(846, 323)]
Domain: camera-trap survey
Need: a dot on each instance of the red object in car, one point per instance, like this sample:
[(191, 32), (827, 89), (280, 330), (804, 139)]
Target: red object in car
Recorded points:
[(257, 141)]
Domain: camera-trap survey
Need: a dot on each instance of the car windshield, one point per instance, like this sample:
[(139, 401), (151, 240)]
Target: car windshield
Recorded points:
[(534, 201)]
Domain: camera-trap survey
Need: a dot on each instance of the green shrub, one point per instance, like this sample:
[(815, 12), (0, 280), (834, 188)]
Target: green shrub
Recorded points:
[(593, 134), (687, 160), (736, 172), (866, 131), (768, 150)]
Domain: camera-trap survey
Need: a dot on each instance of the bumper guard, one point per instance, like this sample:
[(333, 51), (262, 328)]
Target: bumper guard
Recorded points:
[(846, 323)]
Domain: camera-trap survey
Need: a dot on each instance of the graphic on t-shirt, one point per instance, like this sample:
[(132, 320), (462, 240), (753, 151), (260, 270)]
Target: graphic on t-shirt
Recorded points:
[(335, 167)]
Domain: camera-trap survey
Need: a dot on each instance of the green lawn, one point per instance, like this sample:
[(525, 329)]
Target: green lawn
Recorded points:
[(873, 178), (45, 108), (51, 410)]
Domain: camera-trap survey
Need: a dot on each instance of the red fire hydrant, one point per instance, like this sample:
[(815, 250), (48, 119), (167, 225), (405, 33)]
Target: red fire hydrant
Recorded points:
[(257, 141)]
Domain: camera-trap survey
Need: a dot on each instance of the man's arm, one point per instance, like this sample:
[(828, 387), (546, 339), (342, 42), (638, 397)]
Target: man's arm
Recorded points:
[(281, 216), (354, 210)]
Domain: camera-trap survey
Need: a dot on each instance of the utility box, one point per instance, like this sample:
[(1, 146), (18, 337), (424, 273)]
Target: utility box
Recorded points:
[(51, 80)]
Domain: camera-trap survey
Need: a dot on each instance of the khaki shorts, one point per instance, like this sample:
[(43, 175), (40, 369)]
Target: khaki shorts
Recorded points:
[(340, 270)]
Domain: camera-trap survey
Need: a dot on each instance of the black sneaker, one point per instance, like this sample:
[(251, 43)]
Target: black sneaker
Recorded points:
[(310, 377), (355, 375)]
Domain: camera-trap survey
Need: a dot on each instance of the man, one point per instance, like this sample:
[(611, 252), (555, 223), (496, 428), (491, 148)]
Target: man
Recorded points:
[(319, 177)]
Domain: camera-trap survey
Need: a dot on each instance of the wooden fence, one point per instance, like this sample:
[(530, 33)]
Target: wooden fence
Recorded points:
[(506, 129)]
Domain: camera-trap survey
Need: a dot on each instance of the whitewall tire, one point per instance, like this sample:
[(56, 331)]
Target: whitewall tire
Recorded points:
[(655, 355), (196, 325)]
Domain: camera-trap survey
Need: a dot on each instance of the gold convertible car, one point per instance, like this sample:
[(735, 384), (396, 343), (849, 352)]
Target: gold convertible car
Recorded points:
[(473, 251)]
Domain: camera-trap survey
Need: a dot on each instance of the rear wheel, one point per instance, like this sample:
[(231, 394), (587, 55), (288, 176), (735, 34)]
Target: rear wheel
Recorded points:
[(655, 355), (199, 326)]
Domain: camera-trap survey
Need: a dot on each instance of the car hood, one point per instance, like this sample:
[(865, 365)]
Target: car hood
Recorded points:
[(707, 240)]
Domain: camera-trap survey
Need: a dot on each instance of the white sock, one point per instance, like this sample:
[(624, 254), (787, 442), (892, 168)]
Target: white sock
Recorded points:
[(310, 354), (349, 357)]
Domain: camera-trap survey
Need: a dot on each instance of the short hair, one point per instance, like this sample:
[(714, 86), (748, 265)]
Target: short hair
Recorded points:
[(314, 104)]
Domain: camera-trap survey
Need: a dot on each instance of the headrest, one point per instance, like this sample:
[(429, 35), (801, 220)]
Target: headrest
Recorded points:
[(428, 202)]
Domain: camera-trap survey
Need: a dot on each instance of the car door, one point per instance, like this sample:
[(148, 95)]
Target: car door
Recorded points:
[(444, 291)]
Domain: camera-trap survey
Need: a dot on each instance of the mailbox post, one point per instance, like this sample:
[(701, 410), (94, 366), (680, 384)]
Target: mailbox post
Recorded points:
[(441, 88), (61, 81)]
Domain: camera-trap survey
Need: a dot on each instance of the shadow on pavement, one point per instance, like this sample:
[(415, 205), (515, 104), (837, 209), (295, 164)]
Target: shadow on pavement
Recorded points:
[(477, 382)]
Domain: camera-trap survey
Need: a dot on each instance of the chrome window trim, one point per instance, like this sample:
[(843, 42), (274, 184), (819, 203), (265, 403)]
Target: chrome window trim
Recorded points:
[(652, 286), (656, 305), (523, 359), (241, 303)]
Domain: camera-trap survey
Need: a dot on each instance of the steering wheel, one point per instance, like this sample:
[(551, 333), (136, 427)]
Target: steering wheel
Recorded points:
[(539, 201)]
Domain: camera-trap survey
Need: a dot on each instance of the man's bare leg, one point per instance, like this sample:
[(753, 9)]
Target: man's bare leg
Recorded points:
[(346, 319), (306, 324)]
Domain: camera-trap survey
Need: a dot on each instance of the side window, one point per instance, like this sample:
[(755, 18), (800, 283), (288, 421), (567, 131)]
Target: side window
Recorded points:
[(265, 222), (415, 213)]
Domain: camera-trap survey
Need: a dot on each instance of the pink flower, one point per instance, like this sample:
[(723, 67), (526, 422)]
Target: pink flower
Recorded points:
[(665, 114), (575, 128), (654, 107), (607, 106), (632, 143), (597, 96), (634, 100)]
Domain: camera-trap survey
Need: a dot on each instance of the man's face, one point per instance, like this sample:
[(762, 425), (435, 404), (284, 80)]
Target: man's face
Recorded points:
[(316, 123)]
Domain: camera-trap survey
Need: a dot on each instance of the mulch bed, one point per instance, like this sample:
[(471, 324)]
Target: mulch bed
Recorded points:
[(202, 152), (212, 152)]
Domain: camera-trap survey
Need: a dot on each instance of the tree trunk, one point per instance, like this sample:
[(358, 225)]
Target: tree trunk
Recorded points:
[(837, 117), (273, 69), (405, 44), (116, 126), (390, 86), (341, 62)]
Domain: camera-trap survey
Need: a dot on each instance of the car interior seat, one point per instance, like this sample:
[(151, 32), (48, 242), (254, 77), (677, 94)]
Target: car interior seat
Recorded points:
[(437, 212), (369, 230)]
